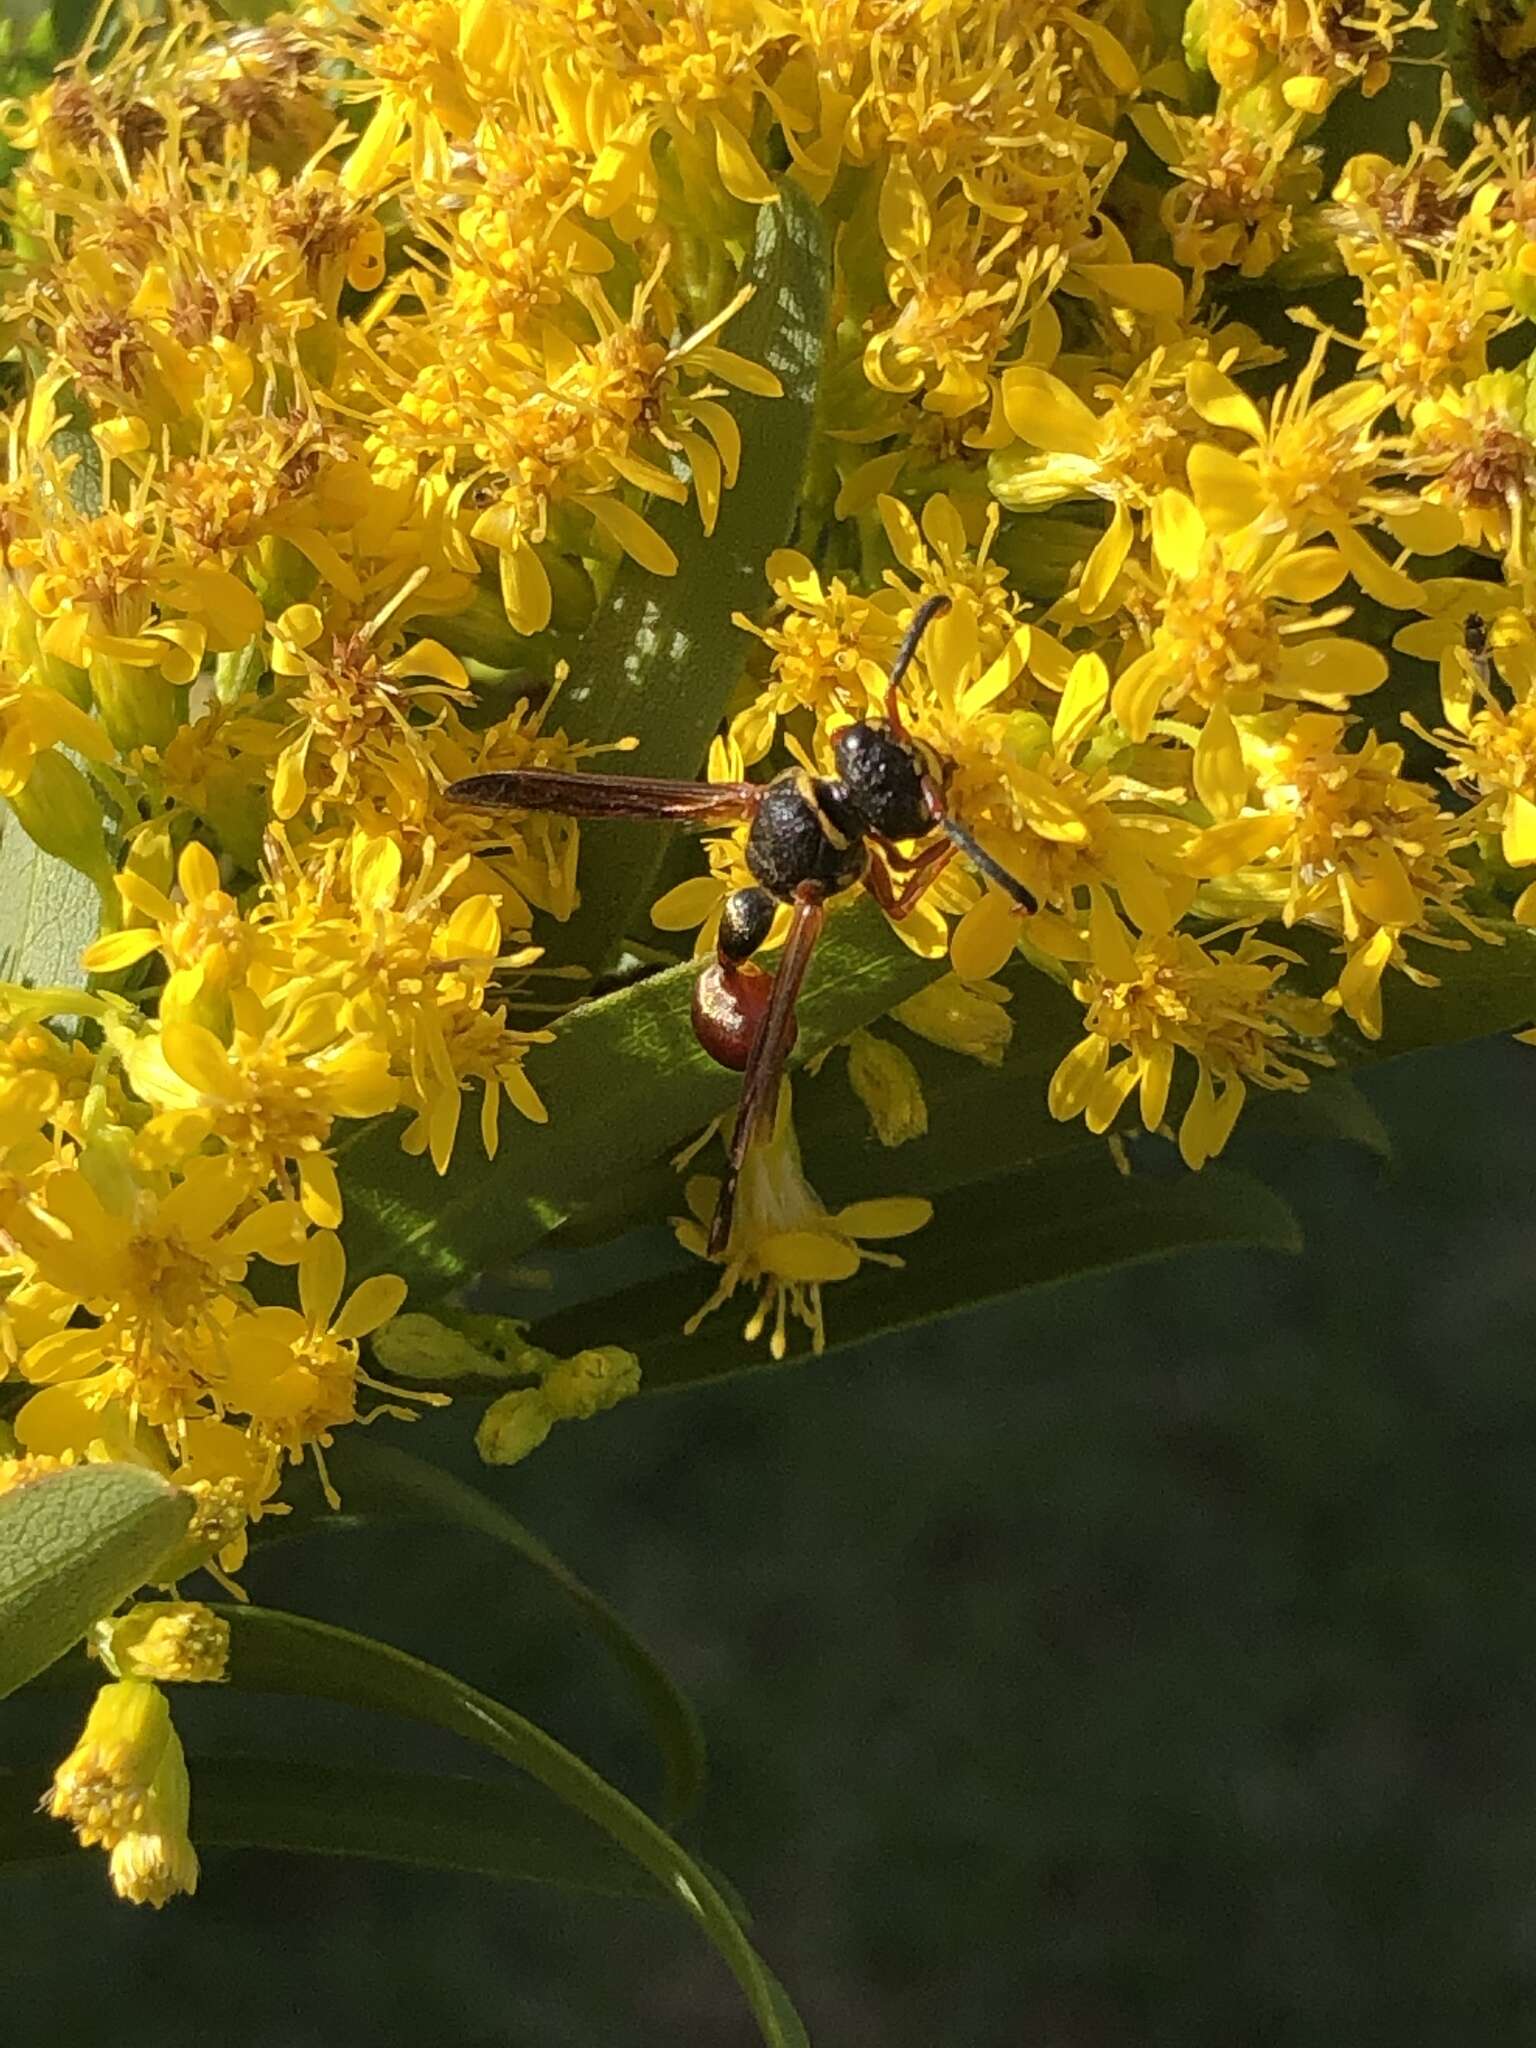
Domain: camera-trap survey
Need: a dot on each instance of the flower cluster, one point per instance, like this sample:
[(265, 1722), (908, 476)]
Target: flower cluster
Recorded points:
[(353, 356)]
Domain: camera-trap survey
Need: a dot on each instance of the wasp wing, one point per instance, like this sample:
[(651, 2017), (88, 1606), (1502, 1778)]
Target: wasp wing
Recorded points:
[(609, 796), (770, 1050)]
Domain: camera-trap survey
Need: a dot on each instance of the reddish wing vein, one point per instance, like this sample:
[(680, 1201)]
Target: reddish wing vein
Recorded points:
[(609, 796)]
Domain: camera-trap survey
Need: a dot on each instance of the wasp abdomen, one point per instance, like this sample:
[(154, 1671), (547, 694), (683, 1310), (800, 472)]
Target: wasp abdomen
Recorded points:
[(730, 1001)]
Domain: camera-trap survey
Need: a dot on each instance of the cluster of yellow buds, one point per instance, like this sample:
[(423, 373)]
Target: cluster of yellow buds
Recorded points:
[(354, 358)]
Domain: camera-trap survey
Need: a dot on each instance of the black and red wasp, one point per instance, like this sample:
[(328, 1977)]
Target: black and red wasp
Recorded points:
[(812, 837)]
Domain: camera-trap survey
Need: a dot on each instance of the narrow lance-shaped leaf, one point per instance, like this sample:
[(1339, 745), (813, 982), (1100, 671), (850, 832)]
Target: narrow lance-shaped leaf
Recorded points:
[(378, 1479), (1065, 1217), (287, 1653), (475, 1825), (73, 1544)]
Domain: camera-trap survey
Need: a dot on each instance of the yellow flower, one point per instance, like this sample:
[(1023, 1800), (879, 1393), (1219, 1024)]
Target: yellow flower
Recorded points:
[(1240, 189), (1154, 997), (1315, 465), (783, 1242), (831, 648), (351, 736), (204, 940), (296, 1373), (1491, 743), (271, 1095), (1127, 455), (156, 1270), (1229, 630), (1359, 848), (174, 1642), (1474, 447), (124, 1786)]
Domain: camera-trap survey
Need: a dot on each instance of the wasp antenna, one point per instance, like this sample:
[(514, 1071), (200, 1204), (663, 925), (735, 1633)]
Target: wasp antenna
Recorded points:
[(922, 619), (992, 869)]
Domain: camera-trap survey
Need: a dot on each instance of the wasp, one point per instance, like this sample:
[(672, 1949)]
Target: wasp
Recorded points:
[(810, 838)]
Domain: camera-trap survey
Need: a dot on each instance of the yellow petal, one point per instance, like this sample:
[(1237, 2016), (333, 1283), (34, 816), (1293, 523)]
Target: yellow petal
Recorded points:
[(686, 905), (1221, 779), (1331, 668), (1308, 575), (1076, 1077), (525, 591), (633, 534), (1225, 848), (1082, 702), (320, 1191), (1216, 398), (1178, 535), (1103, 566), (1519, 830), (902, 531), (740, 172), (192, 1051), (905, 221), (375, 1302), (1139, 692), (1156, 1074), (1041, 410), (885, 1216), (119, 950), (1374, 576), (197, 871), (1112, 952), (1382, 889), (1108, 1097), (807, 1256), (1226, 489), (322, 1270), (985, 937)]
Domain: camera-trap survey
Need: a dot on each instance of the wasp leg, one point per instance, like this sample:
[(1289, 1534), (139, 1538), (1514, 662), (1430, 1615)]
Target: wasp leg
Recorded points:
[(897, 901)]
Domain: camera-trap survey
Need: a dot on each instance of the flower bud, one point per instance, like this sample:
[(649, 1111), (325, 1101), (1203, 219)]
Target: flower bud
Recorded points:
[(887, 1084), (58, 811), (585, 1385), (514, 1426), (178, 1642)]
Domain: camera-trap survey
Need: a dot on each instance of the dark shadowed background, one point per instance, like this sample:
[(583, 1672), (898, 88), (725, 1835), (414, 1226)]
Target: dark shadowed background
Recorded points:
[(1148, 1661)]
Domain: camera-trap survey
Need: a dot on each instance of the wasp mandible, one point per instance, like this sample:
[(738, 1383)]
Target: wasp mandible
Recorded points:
[(811, 837)]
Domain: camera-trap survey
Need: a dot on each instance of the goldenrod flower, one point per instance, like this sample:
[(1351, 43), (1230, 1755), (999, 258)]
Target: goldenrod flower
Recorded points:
[(1241, 189), (783, 1242), (1229, 629), (173, 1642), (1149, 999), (124, 1787)]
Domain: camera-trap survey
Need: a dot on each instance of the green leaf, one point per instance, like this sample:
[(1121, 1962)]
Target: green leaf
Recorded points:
[(659, 661), (287, 1653), (49, 912), (626, 1080), (1066, 1216), (475, 1825), (73, 1544), (378, 1480), (1487, 989)]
